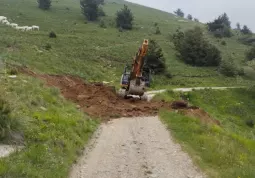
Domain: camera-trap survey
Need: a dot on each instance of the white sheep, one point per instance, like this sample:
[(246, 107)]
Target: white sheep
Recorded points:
[(21, 28), (29, 29), (8, 24), (5, 21), (13, 25), (34, 27), (2, 18)]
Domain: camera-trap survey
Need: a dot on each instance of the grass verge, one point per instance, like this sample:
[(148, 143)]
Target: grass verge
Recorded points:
[(53, 129), (221, 151)]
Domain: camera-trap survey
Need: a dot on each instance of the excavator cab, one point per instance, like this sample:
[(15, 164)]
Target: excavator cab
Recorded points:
[(146, 76), (125, 78)]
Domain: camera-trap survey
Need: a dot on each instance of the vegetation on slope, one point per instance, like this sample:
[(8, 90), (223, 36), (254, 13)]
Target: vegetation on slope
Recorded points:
[(96, 53), (52, 130), (221, 151)]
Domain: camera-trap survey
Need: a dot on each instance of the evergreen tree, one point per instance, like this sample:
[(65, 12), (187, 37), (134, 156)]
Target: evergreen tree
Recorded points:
[(124, 18), (246, 30), (189, 17), (238, 26), (89, 9), (44, 4), (179, 13)]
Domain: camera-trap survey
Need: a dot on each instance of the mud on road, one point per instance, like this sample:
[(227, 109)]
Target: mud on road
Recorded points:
[(101, 101)]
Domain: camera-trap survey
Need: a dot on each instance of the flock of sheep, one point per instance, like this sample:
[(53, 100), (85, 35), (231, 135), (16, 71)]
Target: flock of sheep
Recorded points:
[(4, 20)]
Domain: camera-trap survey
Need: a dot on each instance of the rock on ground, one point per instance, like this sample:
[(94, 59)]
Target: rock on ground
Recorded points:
[(6, 150)]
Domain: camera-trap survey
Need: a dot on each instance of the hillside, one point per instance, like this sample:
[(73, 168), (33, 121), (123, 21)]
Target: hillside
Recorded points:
[(94, 53), (54, 124)]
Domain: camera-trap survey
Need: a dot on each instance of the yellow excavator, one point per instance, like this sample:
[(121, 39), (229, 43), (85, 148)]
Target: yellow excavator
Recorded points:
[(133, 82)]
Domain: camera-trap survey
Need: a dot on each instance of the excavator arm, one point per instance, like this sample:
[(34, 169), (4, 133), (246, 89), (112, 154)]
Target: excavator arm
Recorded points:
[(138, 61), (132, 82)]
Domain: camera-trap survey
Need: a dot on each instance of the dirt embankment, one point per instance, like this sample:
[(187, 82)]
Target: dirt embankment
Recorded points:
[(101, 101)]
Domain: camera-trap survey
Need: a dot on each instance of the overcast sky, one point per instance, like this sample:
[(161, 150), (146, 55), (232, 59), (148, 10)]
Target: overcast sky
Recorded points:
[(242, 11)]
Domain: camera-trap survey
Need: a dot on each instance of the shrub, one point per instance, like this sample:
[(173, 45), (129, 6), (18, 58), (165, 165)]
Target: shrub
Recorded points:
[(44, 4), (168, 75), (250, 123), (47, 46), (101, 12), (247, 40), (124, 18), (194, 49), (157, 32), (229, 68), (12, 71), (155, 60), (223, 43), (102, 24), (52, 34), (7, 122), (120, 29), (250, 54), (251, 90)]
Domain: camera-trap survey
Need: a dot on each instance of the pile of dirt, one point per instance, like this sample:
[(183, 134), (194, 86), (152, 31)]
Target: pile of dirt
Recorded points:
[(99, 100)]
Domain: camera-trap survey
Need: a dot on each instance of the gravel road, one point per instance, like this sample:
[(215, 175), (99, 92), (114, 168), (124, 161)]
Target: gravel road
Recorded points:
[(134, 148)]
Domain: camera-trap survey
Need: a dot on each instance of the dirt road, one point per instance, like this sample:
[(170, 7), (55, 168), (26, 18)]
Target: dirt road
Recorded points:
[(134, 148)]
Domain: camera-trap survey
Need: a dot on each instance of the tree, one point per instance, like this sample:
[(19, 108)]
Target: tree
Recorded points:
[(124, 18), (193, 49), (238, 26), (100, 2), (189, 17), (44, 4), (155, 60), (250, 54), (220, 27), (179, 13), (246, 30), (224, 19), (90, 9), (196, 20)]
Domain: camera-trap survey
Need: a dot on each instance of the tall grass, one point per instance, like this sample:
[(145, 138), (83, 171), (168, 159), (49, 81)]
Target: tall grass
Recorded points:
[(54, 131), (8, 123)]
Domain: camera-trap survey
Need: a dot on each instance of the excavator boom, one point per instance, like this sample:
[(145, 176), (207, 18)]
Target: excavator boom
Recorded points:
[(133, 82)]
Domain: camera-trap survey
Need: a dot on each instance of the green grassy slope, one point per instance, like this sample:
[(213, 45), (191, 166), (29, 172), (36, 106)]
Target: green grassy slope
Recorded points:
[(222, 151), (54, 130), (95, 53)]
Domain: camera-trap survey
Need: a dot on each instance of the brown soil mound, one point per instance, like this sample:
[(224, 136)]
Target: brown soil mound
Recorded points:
[(101, 101)]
